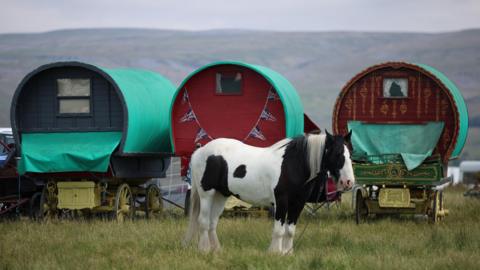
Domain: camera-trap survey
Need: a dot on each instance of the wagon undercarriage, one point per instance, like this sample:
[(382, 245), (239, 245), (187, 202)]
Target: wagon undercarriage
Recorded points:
[(118, 201), (391, 189)]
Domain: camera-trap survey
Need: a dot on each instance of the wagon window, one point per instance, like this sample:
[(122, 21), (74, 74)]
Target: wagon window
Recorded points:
[(73, 96), (229, 83), (395, 87)]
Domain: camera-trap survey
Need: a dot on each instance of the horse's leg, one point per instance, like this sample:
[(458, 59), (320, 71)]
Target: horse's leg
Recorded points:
[(206, 199), (218, 205), (278, 229), (294, 209)]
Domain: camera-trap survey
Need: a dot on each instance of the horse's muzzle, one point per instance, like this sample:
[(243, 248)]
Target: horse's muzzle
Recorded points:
[(346, 184)]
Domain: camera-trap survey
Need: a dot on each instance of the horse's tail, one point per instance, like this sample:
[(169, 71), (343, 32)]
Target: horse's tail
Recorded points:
[(194, 210)]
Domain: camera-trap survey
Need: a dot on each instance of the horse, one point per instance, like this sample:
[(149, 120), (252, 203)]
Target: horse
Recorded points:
[(282, 175)]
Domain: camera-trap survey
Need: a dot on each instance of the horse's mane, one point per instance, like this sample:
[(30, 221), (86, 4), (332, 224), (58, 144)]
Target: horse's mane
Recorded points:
[(280, 144), (307, 151), (316, 146)]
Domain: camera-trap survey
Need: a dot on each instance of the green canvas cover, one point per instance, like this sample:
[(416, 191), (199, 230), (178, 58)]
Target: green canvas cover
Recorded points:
[(459, 103), (67, 151), (413, 142), (291, 101), (148, 97)]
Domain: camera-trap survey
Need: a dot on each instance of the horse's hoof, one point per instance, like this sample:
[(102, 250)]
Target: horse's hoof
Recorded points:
[(205, 251), (275, 251)]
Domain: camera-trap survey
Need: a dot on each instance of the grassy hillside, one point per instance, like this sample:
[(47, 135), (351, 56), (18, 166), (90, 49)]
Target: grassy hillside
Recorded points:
[(331, 241), (317, 63)]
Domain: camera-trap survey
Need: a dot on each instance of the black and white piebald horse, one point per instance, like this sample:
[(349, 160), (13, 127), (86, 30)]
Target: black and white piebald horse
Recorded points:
[(281, 175)]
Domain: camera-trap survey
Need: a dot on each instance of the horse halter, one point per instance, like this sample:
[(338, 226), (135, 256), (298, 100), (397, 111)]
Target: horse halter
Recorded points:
[(327, 166)]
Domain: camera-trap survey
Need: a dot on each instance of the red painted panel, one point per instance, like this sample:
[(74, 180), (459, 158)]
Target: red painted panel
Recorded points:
[(427, 101), (226, 116)]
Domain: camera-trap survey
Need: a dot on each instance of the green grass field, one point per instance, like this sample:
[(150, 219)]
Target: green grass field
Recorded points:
[(331, 240)]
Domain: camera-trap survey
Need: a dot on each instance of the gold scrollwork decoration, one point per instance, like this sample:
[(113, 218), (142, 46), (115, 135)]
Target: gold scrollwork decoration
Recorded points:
[(437, 105), (403, 107), (394, 110), (349, 105), (444, 107), (363, 94), (427, 94), (384, 108)]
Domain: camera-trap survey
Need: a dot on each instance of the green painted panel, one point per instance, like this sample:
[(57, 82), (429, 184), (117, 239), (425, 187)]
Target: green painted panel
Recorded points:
[(397, 174)]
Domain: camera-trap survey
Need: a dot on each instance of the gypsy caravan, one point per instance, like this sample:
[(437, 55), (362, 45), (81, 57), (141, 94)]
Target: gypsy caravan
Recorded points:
[(407, 122), (93, 135)]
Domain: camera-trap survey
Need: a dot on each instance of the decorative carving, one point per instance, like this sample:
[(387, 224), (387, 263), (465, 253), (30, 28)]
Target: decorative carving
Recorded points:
[(446, 138), (437, 105), (354, 104), (363, 94), (427, 92), (379, 85), (394, 110), (419, 99), (444, 107), (397, 171), (384, 108), (372, 100), (412, 79), (403, 107), (349, 105)]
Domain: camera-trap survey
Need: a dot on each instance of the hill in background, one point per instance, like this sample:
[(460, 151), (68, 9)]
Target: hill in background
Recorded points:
[(317, 63)]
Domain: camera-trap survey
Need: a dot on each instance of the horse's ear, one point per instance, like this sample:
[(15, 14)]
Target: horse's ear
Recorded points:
[(329, 136), (348, 137)]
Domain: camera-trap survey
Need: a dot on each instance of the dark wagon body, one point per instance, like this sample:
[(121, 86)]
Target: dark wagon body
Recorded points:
[(89, 131), (408, 121)]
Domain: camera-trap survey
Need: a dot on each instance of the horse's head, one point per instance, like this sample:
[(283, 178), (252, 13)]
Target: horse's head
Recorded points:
[(337, 160)]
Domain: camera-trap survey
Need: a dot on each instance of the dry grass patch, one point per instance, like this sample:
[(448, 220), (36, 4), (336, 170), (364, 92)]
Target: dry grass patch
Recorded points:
[(331, 241)]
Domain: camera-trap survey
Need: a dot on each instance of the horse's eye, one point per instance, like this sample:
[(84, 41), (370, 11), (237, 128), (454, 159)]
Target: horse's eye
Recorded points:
[(340, 161)]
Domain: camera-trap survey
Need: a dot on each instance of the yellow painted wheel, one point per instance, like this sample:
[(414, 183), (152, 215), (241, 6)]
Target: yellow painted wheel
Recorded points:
[(124, 204), (437, 204), (153, 202), (48, 202)]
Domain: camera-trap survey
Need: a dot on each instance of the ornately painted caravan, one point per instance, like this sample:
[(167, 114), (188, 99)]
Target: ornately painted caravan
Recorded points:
[(408, 121)]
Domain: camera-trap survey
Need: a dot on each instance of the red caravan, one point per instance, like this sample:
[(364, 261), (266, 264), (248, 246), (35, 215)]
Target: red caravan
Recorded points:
[(237, 100)]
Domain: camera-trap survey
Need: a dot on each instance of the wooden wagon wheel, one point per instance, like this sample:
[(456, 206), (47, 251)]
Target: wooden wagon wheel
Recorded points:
[(441, 206), (48, 202), (34, 205), (437, 211), (153, 202), (361, 210), (124, 204)]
